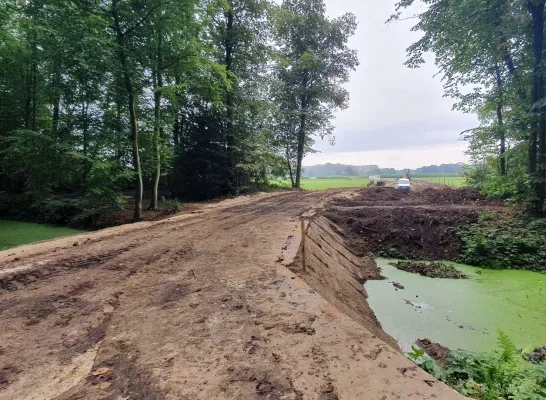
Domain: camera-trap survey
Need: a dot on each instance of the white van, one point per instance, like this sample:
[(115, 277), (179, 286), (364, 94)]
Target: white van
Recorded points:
[(403, 184)]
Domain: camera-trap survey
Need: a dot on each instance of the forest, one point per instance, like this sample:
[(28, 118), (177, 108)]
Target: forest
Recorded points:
[(106, 100), (193, 99), (490, 55)]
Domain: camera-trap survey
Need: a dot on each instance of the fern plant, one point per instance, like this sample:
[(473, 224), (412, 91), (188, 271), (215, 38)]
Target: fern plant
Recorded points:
[(501, 375)]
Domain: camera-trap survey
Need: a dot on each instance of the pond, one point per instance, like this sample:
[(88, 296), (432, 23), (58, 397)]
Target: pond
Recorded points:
[(15, 233), (461, 313)]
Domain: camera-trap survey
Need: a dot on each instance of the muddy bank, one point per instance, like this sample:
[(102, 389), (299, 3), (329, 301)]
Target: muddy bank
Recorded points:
[(338, 274), (431, 269), (537, 356), (419, 225), (436, 351)]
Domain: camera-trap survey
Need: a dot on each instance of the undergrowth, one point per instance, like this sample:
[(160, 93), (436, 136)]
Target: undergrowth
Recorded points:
[(499, 244), (500, 375)]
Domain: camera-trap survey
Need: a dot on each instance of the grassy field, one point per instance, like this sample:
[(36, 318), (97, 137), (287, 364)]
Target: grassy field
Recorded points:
[(321, 184), (15, 233), (447, 180), (338, 182)]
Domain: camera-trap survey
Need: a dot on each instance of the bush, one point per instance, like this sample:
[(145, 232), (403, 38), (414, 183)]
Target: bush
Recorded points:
[(511, 244), (172, 206), (514, 186), (74, 212), (495, 376)]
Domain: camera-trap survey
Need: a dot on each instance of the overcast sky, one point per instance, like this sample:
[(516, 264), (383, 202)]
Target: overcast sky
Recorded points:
[(397, 116)]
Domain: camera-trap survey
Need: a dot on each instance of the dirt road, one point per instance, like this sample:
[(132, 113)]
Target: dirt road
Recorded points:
[(194, 307)]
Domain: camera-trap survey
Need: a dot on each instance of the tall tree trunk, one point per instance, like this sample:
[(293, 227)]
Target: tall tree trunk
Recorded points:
[(540, 187), (119, 135), (230, 135), (502, 137), (55, 116), (536, 8), (500, 122), (301, 145), (157, 125), (85, 131), (34, 82), (177, 125), (301, 132), (56, 100), (128, 82), (289, 166), (28, 95)]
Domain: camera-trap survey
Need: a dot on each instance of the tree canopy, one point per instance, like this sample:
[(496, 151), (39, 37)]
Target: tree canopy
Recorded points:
[(490, 54), (175, 98)]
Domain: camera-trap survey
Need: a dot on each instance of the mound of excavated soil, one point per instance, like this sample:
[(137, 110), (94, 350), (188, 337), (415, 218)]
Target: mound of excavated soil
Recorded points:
[(432, 269), (429, 195), (419, 225), (425, 234)]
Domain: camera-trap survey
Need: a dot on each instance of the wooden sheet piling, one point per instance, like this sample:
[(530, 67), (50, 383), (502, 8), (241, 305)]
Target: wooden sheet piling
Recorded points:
[(303, 261)]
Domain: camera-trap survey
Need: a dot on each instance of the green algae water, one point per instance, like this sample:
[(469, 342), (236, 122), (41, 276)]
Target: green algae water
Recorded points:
[(15, 233), (461, 313)]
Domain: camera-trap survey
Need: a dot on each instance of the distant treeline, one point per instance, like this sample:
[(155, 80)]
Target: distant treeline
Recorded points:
[(324, 170)]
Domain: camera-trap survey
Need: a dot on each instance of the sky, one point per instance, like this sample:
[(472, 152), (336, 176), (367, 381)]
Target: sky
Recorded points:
[(397, 117)]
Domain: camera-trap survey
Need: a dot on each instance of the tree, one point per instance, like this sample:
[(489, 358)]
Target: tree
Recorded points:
[(496, 48), (312, 62), (537, 164), (128, 18), (109, 96)]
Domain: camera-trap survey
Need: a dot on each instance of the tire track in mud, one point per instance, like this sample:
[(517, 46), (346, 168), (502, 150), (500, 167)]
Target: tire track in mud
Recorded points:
[(22, 276), (184, 310)]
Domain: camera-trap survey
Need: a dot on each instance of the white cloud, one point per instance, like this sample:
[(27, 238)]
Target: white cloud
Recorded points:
[(392, 107), (399, 158)]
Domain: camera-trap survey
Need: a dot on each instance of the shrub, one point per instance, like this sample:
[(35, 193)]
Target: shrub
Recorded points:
[(494, 243), (495, 376), (74, 212), (172, 206)]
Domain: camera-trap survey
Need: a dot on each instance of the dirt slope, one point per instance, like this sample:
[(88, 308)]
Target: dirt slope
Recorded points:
[(421, 224), (195, 307)]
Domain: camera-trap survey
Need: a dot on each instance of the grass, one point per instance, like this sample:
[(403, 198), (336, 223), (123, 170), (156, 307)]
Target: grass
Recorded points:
[(337, 182), (321, 184), (15, 233), (447, 180)]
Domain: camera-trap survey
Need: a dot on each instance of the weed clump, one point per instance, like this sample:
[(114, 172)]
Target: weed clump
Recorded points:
[(499, 243), (499, 375)]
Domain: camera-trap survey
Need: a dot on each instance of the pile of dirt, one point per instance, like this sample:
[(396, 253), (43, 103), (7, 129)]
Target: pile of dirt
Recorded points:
[(431, 269), (423, 234), (538, 356), (418, 225), (428, 195), (435, 351)]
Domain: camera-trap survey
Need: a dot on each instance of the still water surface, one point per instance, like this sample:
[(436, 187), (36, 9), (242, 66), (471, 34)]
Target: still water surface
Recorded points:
[(461, 313)]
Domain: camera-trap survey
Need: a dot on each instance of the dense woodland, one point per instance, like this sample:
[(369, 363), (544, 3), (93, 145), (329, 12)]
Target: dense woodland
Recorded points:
[(176, 98), (100, 99), (491, 56)]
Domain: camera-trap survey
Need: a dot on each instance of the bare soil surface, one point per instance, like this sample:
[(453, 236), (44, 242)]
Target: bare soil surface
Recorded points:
[(197, 306), (433, 269), (420, 224)]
